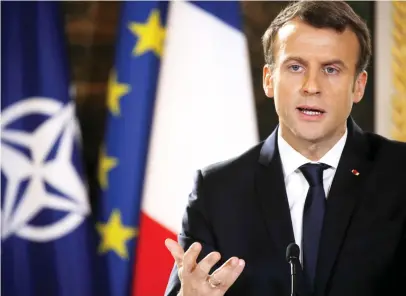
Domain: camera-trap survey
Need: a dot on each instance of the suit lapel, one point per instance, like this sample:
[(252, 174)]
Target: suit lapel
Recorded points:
[(271, 193), (341, 203)]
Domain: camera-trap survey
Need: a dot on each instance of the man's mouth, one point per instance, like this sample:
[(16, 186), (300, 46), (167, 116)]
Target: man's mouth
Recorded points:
[(311, 111)]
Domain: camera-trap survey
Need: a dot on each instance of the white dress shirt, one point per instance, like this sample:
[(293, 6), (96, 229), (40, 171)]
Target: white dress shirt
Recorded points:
[(295, 183)]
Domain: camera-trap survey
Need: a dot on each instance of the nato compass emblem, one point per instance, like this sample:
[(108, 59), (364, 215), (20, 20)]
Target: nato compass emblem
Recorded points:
[(38, 168)]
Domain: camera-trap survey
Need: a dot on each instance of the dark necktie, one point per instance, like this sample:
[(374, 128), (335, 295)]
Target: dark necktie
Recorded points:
[(313, 215)]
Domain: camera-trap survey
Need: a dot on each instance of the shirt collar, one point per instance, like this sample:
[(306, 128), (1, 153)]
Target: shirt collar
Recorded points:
[(292, 160)]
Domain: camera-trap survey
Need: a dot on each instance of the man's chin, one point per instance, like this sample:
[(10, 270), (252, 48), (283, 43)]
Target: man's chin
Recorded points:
[(311, 136)]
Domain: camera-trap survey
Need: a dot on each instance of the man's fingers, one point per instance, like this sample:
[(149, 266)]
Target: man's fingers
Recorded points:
[(190, 257), (176, 251), (228, 273), (203, 268)]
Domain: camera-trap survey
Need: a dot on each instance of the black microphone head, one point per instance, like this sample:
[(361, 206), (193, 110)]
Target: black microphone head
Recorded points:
[(292, 252)]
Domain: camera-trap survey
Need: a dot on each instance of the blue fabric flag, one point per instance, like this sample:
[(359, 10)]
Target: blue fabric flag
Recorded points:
[(45, 229), (130, 104)]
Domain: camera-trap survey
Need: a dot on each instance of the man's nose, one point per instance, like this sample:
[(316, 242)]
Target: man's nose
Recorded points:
[(311, 83)]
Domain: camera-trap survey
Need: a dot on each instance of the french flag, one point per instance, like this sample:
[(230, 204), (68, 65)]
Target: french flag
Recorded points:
[(204, 113)]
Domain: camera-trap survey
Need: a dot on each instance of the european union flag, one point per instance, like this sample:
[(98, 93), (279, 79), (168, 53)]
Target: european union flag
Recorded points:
[(45, 229), (130, 102)]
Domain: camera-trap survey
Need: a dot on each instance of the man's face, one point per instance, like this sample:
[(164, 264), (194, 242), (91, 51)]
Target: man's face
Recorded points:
[(313, 80)]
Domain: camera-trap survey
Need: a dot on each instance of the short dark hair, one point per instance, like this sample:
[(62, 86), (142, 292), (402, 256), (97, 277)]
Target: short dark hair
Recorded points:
[(336, 15)]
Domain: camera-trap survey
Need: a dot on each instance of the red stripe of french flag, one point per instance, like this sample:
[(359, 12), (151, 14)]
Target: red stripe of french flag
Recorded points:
[(154, 262)]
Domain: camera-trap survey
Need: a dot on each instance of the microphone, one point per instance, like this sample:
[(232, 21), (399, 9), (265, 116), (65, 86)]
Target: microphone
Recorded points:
[(292, 256)]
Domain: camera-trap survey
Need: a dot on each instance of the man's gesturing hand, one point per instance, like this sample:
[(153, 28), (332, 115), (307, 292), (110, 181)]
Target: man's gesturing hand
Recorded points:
[(195, 279)]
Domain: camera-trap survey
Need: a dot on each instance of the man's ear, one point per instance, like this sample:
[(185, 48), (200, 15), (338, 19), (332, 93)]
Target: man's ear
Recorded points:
[(359, 87), (267, 81)]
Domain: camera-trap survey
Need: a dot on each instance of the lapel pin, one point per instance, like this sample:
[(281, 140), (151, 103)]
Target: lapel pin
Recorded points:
[(355, 172)]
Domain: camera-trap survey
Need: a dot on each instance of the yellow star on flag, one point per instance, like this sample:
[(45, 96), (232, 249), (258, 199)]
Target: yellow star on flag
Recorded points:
[(115, 235), (115, 91), (150, 35), (106, 164)]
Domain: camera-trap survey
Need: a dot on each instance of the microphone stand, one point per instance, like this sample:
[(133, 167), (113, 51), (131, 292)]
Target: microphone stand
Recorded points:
[(293, 277)]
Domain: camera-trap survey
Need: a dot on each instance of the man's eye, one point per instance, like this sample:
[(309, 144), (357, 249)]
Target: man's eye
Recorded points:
[(331, 70), (295, 68)]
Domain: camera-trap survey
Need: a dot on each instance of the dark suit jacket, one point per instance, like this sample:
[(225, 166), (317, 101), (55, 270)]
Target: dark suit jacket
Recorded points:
[(240, 208)]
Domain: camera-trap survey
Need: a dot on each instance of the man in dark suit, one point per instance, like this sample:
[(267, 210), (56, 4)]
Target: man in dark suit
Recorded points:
[(318, 180)]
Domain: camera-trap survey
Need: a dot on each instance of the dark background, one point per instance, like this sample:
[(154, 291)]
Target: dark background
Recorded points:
[(91, 33)]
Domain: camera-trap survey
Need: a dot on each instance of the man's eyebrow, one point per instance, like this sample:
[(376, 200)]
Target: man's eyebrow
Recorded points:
[(293, 58), (335, 62)]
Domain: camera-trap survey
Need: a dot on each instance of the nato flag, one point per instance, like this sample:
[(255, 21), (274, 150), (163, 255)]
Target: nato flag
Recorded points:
[(45, 228)]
